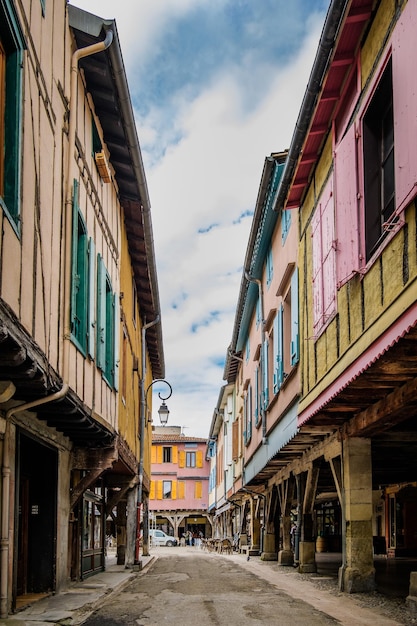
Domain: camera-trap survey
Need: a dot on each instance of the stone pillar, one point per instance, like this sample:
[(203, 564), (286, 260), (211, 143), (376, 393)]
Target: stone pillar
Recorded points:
[(357, 573), (121, 532), (131, 514), (286, 555), (307, 547), (269, 552), (256, 530)]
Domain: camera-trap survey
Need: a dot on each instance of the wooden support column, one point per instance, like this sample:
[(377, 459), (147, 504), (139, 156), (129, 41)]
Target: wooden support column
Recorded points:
[(357, 573), (307, 549), (121, 532), (269, 552), (286, 494)]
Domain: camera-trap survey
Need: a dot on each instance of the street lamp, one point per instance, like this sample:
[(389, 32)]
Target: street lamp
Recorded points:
[(163, 413), (163, 416)]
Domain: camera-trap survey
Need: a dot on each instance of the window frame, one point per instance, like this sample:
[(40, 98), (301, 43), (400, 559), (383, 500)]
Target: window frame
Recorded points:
[(13, 45)]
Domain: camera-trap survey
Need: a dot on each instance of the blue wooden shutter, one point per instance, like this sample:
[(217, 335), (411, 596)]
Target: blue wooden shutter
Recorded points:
[(295, 340), (265, 390), (257, 402), (279, 364), (101, 313), (91, 297)]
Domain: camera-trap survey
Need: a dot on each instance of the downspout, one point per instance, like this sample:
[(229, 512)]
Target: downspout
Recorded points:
[(261, 300), (142, 444), (5, 534)]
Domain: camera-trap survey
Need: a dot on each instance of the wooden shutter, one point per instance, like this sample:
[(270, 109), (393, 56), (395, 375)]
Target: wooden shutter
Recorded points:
[(74, 260), (404, 55), (181, 490), (152, 491), (235, 444), (153, 454), (116, 344), (159, 454), (174, 458), (101, 312), (346, 213), (174, 490), (278, 349), (199, 458), (265, 374), (295, 343), (198, 489), (181, 458), (159, 486), (91, 298)]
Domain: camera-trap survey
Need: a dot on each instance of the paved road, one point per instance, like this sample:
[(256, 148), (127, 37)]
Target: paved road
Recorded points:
[(194, 588)]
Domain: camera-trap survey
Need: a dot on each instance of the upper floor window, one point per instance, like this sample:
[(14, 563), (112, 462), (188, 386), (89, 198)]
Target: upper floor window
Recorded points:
[(285, 333), (190, 459), (11, 63), (167, 454), (82, 280), (285, 224), (378, 160), (166, 489)]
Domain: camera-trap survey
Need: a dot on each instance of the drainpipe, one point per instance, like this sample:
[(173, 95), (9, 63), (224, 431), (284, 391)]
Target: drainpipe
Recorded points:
[(142, 447), (5, 531), (261, 300)]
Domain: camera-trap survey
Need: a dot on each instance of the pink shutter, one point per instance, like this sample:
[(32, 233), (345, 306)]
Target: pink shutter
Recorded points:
[(404, 55), (329, 259), (317, 273), (346, 214)]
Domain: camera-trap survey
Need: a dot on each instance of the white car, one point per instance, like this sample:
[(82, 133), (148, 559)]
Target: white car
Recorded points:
[(159, 538)]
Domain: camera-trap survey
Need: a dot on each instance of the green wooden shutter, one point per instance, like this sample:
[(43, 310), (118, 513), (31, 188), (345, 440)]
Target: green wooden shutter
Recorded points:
[(116, 334), (75, 279), (91, 298), (101, 313)]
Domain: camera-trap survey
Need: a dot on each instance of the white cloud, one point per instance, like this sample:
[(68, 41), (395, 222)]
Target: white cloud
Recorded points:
[(204, 152)]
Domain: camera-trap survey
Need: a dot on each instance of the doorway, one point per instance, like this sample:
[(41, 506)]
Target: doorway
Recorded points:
[(37, 470)]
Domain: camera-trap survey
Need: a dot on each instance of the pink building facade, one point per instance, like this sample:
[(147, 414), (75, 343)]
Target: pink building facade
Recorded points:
[(178, 501)]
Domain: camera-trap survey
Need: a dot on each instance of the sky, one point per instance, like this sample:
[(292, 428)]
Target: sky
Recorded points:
[(216, 86)]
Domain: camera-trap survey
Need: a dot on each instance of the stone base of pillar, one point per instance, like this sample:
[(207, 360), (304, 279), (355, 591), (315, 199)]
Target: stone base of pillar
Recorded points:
[(286, 557), (353, 580), (411, 600), (307, 553), (269, 553)]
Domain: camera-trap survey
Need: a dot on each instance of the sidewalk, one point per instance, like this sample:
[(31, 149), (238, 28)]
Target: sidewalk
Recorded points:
[(72, 606)]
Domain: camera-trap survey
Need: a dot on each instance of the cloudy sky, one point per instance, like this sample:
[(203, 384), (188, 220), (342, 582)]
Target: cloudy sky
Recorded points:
[(216, 86)]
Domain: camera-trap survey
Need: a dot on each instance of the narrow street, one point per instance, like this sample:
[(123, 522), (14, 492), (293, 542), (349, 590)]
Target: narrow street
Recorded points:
[(188, 587)]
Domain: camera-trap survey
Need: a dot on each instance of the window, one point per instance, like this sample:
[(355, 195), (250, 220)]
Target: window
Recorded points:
[(107, 326), (167, 454), (285, 333), (166, 489), (11, 63), (190, 459), (378, 157), (79, 283)]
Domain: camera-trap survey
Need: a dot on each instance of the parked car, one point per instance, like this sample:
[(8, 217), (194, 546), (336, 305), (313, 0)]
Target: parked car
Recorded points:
[(159, 538)]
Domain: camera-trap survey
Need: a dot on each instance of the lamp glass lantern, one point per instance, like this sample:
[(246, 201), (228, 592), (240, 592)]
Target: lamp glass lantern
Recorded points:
[(163, 413)]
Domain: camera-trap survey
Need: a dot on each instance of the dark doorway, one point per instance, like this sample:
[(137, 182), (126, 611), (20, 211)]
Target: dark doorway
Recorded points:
[(36, 516)]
